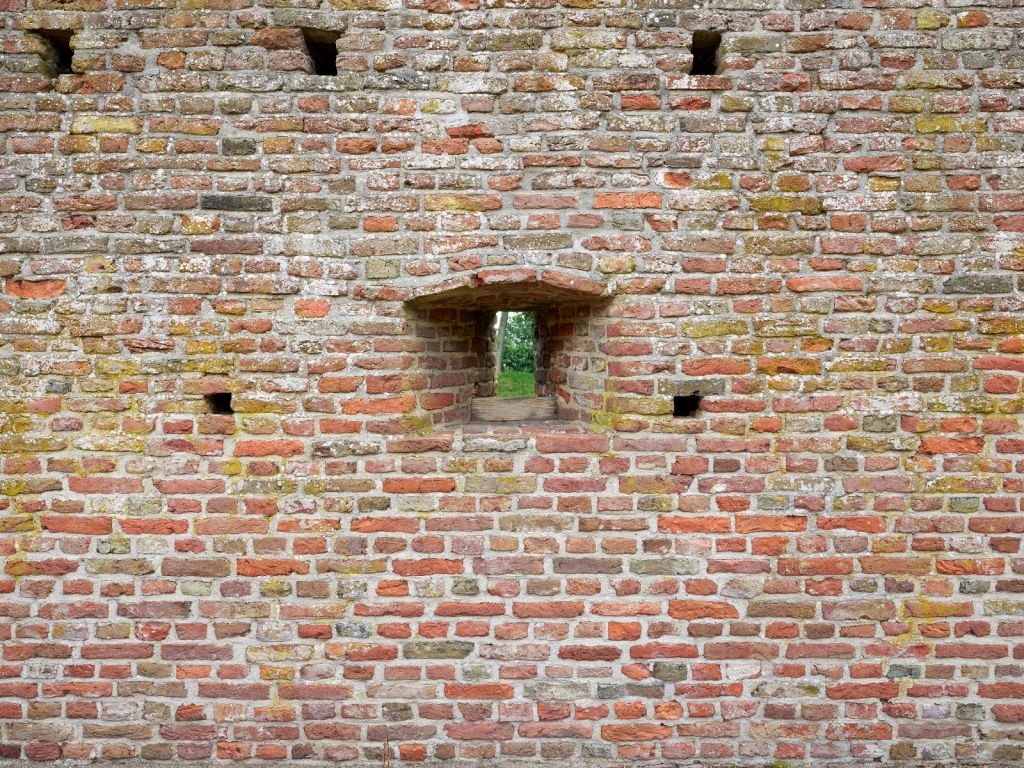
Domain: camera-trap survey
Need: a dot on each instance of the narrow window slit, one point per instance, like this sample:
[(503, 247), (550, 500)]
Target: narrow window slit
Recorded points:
[(704, 48), (220, 403), (686, 406), (512, 383), (60, 53), (517, 354), (322, 47)]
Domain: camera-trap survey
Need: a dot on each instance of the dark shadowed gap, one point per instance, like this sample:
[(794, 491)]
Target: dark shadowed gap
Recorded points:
[(219, 402), (705, 52), (323, 50), (60, 41), (685, 406)]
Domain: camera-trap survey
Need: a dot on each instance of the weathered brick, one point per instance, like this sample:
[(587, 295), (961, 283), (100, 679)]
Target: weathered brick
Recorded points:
[(813, 236), (981, 284), (236, 203)]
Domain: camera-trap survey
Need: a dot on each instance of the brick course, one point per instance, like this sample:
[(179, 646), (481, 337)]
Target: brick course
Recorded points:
[(825, 238)]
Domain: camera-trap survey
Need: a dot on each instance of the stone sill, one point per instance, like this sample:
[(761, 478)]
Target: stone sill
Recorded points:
[(504, 437), (529, 427)]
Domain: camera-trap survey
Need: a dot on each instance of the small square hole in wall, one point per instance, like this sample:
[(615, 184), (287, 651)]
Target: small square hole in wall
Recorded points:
[(704, 48), (322, 47), (686, 406), (60, 52), (219, 402)]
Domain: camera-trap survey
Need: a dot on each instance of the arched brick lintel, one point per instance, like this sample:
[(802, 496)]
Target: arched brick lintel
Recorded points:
[(511, 289)]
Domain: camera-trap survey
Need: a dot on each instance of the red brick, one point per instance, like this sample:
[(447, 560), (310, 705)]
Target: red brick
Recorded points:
[(248, 566), (635, 732), (458, 691), (419, 485), (882, 691), (81, 524), (427, 567), (691, 610), (269, 448), (36, 289), (839, 278), (627, 200)]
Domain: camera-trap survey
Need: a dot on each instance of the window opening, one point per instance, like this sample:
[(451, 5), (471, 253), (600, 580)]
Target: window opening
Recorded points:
[(517, 354), (704, 48), (322, 47), (219, 402), (60, 46), (507, 388), (686, 406), (457, 321)]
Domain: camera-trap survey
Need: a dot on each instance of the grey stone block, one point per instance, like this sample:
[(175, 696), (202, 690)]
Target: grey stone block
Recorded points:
[(980, 284)]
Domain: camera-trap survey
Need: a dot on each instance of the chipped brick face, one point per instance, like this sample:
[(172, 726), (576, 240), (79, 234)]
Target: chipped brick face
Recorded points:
[(825, 238)]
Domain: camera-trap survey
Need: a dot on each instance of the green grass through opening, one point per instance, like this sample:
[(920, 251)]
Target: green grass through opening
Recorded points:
[(515, 384)]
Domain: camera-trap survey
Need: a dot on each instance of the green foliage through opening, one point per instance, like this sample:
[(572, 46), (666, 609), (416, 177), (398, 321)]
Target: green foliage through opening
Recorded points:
[(516, 374)]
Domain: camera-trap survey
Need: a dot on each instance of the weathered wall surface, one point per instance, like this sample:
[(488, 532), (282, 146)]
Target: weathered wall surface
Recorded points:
[(822, 565)]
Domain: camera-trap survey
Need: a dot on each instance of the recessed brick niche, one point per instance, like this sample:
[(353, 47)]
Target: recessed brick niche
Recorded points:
[(453, 321)]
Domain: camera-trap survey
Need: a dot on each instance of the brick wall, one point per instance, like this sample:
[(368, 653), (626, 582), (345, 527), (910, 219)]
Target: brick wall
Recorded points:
[(825, 238)]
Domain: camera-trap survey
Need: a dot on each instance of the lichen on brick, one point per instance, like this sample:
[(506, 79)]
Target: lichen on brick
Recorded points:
[(815, 229)]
